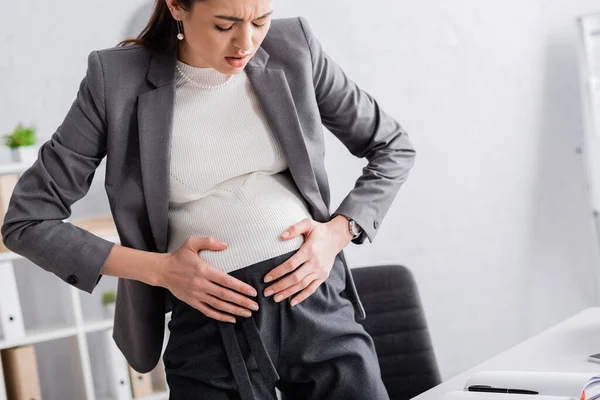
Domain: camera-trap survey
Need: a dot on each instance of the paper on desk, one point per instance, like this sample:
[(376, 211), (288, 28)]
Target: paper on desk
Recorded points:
[(569, 384), (499, 396)]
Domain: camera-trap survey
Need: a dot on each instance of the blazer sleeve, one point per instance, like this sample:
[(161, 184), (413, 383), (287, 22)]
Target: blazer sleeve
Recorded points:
[(62, 174), (358, 121)]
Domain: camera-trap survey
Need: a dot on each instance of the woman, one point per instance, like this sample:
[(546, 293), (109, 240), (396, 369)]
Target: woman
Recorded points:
[(211, 124)]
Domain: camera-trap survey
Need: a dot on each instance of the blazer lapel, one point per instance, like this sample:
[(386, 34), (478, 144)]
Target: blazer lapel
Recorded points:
[(155, 117), (155, 114), (273, 92)]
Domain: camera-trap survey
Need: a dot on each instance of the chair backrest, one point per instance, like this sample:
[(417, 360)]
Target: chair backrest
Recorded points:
[(396, 321)]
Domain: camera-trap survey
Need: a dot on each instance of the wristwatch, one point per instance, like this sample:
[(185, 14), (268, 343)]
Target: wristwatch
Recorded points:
[(354, 228)]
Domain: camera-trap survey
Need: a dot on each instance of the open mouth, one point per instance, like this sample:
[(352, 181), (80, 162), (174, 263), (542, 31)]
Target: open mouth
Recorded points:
[(237, 61)]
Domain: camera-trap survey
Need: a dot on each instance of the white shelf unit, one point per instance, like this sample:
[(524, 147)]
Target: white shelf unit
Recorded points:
[(76, 355), (12, 168)]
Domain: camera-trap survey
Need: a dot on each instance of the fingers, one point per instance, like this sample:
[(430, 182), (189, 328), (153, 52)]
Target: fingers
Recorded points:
[(204, 243), (300, 257), (296, 277), (304, 226), (223, 306), (217, 294), (224, 279), (306, 293), (230, 296), (214, 314), (293, 288)]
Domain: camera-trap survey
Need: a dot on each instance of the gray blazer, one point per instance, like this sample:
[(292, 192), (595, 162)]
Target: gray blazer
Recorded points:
[(123, 111)]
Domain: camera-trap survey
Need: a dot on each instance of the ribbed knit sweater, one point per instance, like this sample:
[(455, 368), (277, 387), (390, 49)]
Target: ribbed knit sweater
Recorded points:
[(226, 172)]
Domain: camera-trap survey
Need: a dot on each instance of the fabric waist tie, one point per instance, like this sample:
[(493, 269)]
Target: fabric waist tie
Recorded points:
[(236, 358)]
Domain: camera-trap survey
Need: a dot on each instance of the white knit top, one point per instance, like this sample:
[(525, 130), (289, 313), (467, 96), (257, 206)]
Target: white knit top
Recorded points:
[(226, 172)]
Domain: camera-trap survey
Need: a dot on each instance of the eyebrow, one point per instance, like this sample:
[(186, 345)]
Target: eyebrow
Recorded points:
[(236, 19)]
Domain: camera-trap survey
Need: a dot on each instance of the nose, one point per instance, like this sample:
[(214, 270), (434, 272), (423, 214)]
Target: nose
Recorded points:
[(243, 41)]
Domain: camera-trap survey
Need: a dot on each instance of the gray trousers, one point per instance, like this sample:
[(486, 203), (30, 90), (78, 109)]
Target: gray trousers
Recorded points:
[(314, 350)]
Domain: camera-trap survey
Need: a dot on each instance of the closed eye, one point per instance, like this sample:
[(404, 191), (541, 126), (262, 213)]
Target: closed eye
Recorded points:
[(220, 29)]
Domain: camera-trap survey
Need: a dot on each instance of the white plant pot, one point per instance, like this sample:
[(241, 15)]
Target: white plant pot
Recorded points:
[(15, 156), (109, 310), (28, 154)]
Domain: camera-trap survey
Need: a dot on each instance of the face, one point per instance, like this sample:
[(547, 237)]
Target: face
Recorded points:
[(222, 34)]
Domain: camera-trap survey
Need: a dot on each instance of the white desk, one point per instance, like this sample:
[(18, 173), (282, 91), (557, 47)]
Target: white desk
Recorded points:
[(563, 347)]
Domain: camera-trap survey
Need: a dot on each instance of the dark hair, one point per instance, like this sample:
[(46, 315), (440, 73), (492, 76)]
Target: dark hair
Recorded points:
[(160, 34)]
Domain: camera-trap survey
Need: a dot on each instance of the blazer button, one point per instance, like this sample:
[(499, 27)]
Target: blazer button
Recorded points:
[(375, 224), (72, 279)]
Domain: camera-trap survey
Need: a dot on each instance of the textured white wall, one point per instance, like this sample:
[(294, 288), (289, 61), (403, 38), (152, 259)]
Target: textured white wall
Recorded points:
[(494, 219)]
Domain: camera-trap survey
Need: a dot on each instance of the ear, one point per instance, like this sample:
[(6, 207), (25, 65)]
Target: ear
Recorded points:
[(175, 9)]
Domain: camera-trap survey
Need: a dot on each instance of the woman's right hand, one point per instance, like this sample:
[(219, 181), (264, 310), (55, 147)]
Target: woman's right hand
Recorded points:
[(213, 292)]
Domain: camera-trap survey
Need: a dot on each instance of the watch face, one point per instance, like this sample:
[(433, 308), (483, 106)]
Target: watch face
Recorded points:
[(354, 228)]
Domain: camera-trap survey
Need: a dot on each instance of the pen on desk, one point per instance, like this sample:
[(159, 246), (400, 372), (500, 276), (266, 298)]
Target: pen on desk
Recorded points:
[(490, 389), (522, 391)]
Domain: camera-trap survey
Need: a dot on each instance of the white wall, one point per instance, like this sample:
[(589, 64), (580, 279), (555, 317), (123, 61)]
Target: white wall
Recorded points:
[(494, 220)]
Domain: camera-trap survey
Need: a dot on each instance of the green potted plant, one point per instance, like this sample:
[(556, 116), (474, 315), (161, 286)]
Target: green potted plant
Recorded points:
[(108, 303), (21, 138)]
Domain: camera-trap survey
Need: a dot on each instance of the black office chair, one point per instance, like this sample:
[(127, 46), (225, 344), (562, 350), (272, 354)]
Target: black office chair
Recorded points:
[(397, 324)]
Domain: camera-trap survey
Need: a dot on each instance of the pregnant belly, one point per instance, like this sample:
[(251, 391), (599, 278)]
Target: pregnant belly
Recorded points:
[(250, 221)]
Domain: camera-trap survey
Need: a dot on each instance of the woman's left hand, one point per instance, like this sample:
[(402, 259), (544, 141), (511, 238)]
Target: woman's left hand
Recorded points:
[(312, 263)]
